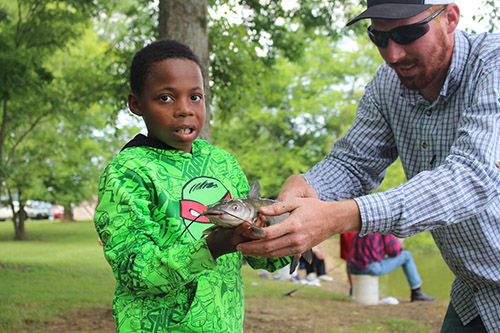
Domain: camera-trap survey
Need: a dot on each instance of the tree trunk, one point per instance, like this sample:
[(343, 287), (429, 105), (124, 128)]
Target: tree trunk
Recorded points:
[(19, 230), (68, 213), (186, 22), (2, 140), (18, 217)]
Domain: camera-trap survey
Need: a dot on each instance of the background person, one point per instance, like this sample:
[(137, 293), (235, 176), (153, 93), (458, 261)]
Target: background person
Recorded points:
[(377, 254), (435, 104), (317, 268), (345, 244)]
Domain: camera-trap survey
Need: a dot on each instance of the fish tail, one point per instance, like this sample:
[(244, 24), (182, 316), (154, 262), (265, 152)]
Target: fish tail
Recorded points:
[(308, 256)]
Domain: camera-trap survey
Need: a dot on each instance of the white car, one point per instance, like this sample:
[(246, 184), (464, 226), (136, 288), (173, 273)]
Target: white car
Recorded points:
[(39, 210), (5, 213)]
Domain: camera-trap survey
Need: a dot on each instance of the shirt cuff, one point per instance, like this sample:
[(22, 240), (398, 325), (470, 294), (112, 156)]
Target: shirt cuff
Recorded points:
[(378, 212)]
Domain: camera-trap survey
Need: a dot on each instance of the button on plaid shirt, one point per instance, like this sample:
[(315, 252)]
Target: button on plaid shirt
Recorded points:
[(450, 151)]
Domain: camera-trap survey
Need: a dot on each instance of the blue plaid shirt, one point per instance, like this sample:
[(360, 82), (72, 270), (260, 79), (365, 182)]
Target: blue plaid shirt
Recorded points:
[(450, 151)]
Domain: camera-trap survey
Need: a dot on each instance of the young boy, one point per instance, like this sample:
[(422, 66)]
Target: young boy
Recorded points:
[(169, 277)]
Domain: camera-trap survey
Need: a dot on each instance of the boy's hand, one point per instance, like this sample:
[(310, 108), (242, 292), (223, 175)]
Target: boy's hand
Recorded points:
[(224, 240)]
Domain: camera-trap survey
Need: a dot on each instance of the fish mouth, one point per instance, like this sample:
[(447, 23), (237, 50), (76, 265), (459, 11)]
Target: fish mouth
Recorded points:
[(222, 218), (212, 213)]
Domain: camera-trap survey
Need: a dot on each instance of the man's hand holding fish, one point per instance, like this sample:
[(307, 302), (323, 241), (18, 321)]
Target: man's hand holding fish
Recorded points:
[(311, 221)]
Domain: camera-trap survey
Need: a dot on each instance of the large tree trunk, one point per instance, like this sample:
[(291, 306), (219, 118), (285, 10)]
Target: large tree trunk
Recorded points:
[(186, 22)]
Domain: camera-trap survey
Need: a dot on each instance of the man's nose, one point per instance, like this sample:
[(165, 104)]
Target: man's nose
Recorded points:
[(394, 51)]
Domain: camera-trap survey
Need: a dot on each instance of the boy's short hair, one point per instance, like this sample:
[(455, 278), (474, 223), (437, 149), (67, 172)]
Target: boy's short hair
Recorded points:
[(153, 53)]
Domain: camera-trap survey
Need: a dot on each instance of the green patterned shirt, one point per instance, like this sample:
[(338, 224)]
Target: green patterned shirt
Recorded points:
[(166, 277)]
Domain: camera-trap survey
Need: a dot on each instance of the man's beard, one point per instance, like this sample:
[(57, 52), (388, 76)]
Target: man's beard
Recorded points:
[(431, 67)]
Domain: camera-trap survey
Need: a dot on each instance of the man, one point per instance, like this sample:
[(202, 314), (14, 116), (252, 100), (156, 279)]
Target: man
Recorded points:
[(435, 103), (377, 254)]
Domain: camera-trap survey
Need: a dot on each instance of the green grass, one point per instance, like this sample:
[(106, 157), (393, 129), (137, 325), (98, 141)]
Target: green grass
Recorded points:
[(60, 269)]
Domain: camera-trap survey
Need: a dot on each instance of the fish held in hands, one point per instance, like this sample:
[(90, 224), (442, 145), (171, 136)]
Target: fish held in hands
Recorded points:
[(233, 212)]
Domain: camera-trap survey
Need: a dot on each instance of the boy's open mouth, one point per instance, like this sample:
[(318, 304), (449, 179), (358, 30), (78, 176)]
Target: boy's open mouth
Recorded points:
[(184, 130)]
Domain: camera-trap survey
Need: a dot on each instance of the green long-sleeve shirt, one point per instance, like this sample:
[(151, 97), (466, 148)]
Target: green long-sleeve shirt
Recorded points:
[(166, 277)]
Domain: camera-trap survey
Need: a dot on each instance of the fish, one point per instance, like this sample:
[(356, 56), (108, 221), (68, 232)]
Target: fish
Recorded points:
[(230, 213)]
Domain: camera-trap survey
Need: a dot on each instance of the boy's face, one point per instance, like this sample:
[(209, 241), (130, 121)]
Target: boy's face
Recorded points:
[(172, 103)]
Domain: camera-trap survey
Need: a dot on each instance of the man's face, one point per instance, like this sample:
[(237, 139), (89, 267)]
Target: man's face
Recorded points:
[(422, 62)]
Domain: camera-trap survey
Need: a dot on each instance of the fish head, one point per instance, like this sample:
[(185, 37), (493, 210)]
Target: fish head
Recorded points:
[(230, 213)]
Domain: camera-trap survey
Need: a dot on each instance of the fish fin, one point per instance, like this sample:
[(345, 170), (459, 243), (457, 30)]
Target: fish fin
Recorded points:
[(308, 256), (270, 220), (293, 264), (254, 191), (258, 231)]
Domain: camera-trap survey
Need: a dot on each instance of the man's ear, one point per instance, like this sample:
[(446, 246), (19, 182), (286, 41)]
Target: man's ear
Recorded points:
[(134, 104), (452, 17)]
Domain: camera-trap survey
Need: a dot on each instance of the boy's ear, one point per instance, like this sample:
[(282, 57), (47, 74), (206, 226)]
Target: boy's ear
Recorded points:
[(134, 104)]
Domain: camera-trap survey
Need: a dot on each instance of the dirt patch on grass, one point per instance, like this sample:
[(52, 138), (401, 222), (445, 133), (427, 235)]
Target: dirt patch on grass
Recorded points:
[(301, 313), (333, 316), (83, 320), (14, 267)]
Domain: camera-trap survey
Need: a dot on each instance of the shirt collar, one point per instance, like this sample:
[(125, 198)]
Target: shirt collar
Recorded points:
[(200, 147), (140, 140), (458, 62)]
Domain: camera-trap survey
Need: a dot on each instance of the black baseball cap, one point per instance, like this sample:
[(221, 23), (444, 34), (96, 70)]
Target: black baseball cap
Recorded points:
[(396, 9)]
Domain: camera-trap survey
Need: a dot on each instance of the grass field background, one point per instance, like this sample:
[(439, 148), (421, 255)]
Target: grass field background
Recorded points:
[(61, 268)]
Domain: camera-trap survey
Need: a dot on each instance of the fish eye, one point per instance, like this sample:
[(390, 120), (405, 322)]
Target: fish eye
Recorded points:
[(235, 207)]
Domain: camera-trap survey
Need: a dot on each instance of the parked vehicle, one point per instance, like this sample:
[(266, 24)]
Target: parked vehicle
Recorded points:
[(5, 213), (35, 210), (39, 210), (58, 211)]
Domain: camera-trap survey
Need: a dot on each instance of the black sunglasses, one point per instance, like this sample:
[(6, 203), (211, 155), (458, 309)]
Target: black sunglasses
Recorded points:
[(402, 35)]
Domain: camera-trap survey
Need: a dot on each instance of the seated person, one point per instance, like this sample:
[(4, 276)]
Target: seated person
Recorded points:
[(345, 244), (317, 268), (377, 254)]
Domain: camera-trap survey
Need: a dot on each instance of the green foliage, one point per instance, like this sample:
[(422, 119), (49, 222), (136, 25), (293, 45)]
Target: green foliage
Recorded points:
[(58, 97), (295, 111), (29, 32), (394, 176), (421, 243)]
